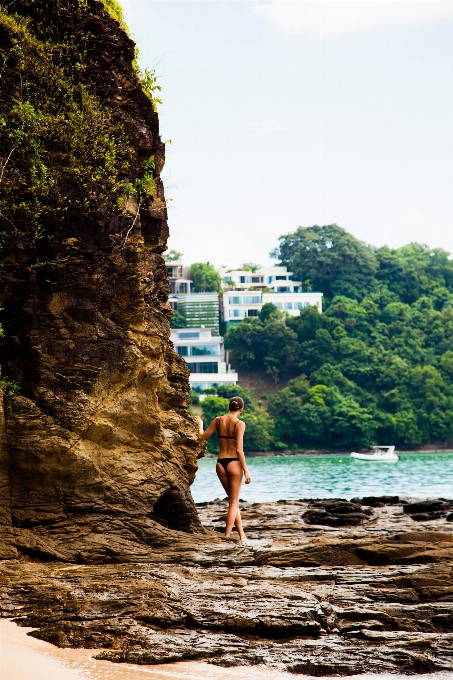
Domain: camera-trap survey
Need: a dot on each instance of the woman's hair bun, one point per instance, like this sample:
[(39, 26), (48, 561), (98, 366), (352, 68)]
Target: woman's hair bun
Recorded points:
[(236, 403)]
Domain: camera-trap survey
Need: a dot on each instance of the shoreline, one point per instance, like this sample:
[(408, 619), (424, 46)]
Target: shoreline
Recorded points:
[(330, 452), (23, 655)]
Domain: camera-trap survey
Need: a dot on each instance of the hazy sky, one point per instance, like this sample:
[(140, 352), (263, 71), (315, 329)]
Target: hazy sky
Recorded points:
[(298, 112)]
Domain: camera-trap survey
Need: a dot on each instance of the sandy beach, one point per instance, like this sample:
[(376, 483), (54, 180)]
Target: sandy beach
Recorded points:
[(24, 658)]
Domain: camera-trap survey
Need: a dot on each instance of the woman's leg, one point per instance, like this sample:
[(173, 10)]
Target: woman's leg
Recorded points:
[(234, 472), (225, 481)]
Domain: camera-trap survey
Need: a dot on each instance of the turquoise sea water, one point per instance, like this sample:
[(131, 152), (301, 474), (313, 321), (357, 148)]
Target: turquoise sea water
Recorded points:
[(415, 475)]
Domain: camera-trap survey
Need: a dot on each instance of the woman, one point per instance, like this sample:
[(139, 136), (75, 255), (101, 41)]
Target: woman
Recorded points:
[(231, 463)]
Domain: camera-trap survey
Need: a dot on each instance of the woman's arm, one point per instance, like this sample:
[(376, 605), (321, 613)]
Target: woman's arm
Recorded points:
[(204, 435), (240, 451)]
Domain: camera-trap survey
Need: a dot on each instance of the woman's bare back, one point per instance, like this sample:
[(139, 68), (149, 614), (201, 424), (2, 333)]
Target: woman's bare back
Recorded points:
[(226, 430)]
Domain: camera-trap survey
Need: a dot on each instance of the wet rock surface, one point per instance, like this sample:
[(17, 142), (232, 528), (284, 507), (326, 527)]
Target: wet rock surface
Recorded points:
[(336, 513), (426, 510), (309, 599)]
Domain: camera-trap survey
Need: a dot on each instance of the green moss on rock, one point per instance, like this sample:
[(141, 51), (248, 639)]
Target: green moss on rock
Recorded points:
[(65, 150)]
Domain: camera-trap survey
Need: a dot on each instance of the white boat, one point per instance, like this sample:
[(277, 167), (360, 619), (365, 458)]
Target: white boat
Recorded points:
[(379, 453)]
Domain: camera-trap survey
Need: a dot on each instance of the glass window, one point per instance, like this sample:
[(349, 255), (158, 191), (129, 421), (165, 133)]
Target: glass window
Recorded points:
[(234, 313), (203, 350), (270, 279), (183, 350), (188, 335), (236, 300), (206, 367), (246, 279), (306, 304), (251, 299), (280, 278), (288, 305), (253, 312), (283, 290), (296, 289), (257, 279), (298, 305), (278, 305)]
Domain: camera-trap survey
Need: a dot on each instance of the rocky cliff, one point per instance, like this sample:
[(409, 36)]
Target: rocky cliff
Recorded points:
[(98, 448)]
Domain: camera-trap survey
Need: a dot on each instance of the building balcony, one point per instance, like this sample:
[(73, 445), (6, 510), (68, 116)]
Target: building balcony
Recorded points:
[(228, 378)]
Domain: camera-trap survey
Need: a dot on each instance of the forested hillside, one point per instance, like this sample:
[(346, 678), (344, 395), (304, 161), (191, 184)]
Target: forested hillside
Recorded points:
[(377, 365)]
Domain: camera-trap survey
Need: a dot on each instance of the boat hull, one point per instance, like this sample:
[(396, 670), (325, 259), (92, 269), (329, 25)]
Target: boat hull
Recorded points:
[(375, 457)]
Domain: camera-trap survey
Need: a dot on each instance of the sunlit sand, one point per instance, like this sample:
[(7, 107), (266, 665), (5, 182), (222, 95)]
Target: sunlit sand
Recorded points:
[(25, 658)]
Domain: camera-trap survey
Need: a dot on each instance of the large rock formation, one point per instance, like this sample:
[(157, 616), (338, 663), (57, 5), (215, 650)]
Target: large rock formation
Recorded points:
[(309, 599), (99, 449)]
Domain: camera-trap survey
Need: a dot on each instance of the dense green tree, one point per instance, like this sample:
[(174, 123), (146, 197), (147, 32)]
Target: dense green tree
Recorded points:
[(244, 339), (332, 260), (352, 425), (178, 320), (267, 309), (230, 391), (415, 270), (271, 344), (206, 278), (377, 365), (213, 407), (279, 346), (259, 429), (301, 413), (194, 398)]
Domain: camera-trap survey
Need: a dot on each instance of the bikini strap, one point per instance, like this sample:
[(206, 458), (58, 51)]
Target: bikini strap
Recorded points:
[(225, 436)]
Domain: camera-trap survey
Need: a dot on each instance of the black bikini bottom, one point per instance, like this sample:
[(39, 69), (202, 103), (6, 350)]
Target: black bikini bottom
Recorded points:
[(225, 461)]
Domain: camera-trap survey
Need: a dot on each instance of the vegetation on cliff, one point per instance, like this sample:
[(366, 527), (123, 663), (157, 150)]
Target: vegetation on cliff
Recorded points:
[(64, 150), (377, 365)]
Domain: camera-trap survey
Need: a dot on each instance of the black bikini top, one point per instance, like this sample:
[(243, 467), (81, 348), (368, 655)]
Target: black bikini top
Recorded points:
[(225, 436)]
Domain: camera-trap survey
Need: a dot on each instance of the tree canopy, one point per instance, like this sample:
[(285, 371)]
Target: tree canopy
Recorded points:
[(250, 267), (178, 320), (173, 256), (328, 259), (377, 365), (206, 278)]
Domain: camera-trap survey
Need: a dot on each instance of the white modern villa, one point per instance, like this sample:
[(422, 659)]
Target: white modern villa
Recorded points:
[(246, 292), (205, 357)]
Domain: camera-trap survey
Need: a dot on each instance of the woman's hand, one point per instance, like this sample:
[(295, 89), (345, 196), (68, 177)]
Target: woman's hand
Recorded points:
[(199, 422), (248, 479)]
